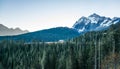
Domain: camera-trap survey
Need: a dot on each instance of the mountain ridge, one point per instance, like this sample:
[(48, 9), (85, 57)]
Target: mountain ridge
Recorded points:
[(5, 31), (47, 35), (93, 22)]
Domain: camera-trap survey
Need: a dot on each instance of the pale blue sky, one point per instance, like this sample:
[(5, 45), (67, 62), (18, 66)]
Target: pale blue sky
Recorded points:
[(35, 15)]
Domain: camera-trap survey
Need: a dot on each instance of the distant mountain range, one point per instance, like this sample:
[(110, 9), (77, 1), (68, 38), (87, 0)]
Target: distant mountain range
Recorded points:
[(5, 31), (53, 34), (94, 22)]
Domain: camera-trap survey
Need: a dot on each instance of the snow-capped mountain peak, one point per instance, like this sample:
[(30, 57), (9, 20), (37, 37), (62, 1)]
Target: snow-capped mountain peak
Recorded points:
[(94, 15), (94, 18), (94, 22)]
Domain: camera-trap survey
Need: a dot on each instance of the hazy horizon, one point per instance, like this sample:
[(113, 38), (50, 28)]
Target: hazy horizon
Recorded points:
[(36, 15)]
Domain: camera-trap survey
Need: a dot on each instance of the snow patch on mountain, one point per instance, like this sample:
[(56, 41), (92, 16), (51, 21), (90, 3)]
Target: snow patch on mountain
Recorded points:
[(93, 19), (80, 30)]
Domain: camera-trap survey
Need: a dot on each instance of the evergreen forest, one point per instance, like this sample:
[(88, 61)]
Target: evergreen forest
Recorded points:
[(92, 50)]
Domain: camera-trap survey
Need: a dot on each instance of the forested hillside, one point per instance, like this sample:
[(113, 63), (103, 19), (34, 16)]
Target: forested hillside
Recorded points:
[(93, 50), (47, 35)]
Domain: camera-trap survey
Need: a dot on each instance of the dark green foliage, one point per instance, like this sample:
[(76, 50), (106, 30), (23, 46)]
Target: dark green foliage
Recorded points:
[(88, 51)]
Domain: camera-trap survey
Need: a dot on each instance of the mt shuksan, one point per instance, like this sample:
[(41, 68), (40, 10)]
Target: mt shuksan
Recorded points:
[(94, 22)]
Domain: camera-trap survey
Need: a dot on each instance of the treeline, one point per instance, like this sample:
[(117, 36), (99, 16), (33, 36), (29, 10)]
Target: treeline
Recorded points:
[(93, 50)]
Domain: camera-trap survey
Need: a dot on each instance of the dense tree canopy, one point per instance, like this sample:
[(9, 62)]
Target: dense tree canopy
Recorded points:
[(93, 50)]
